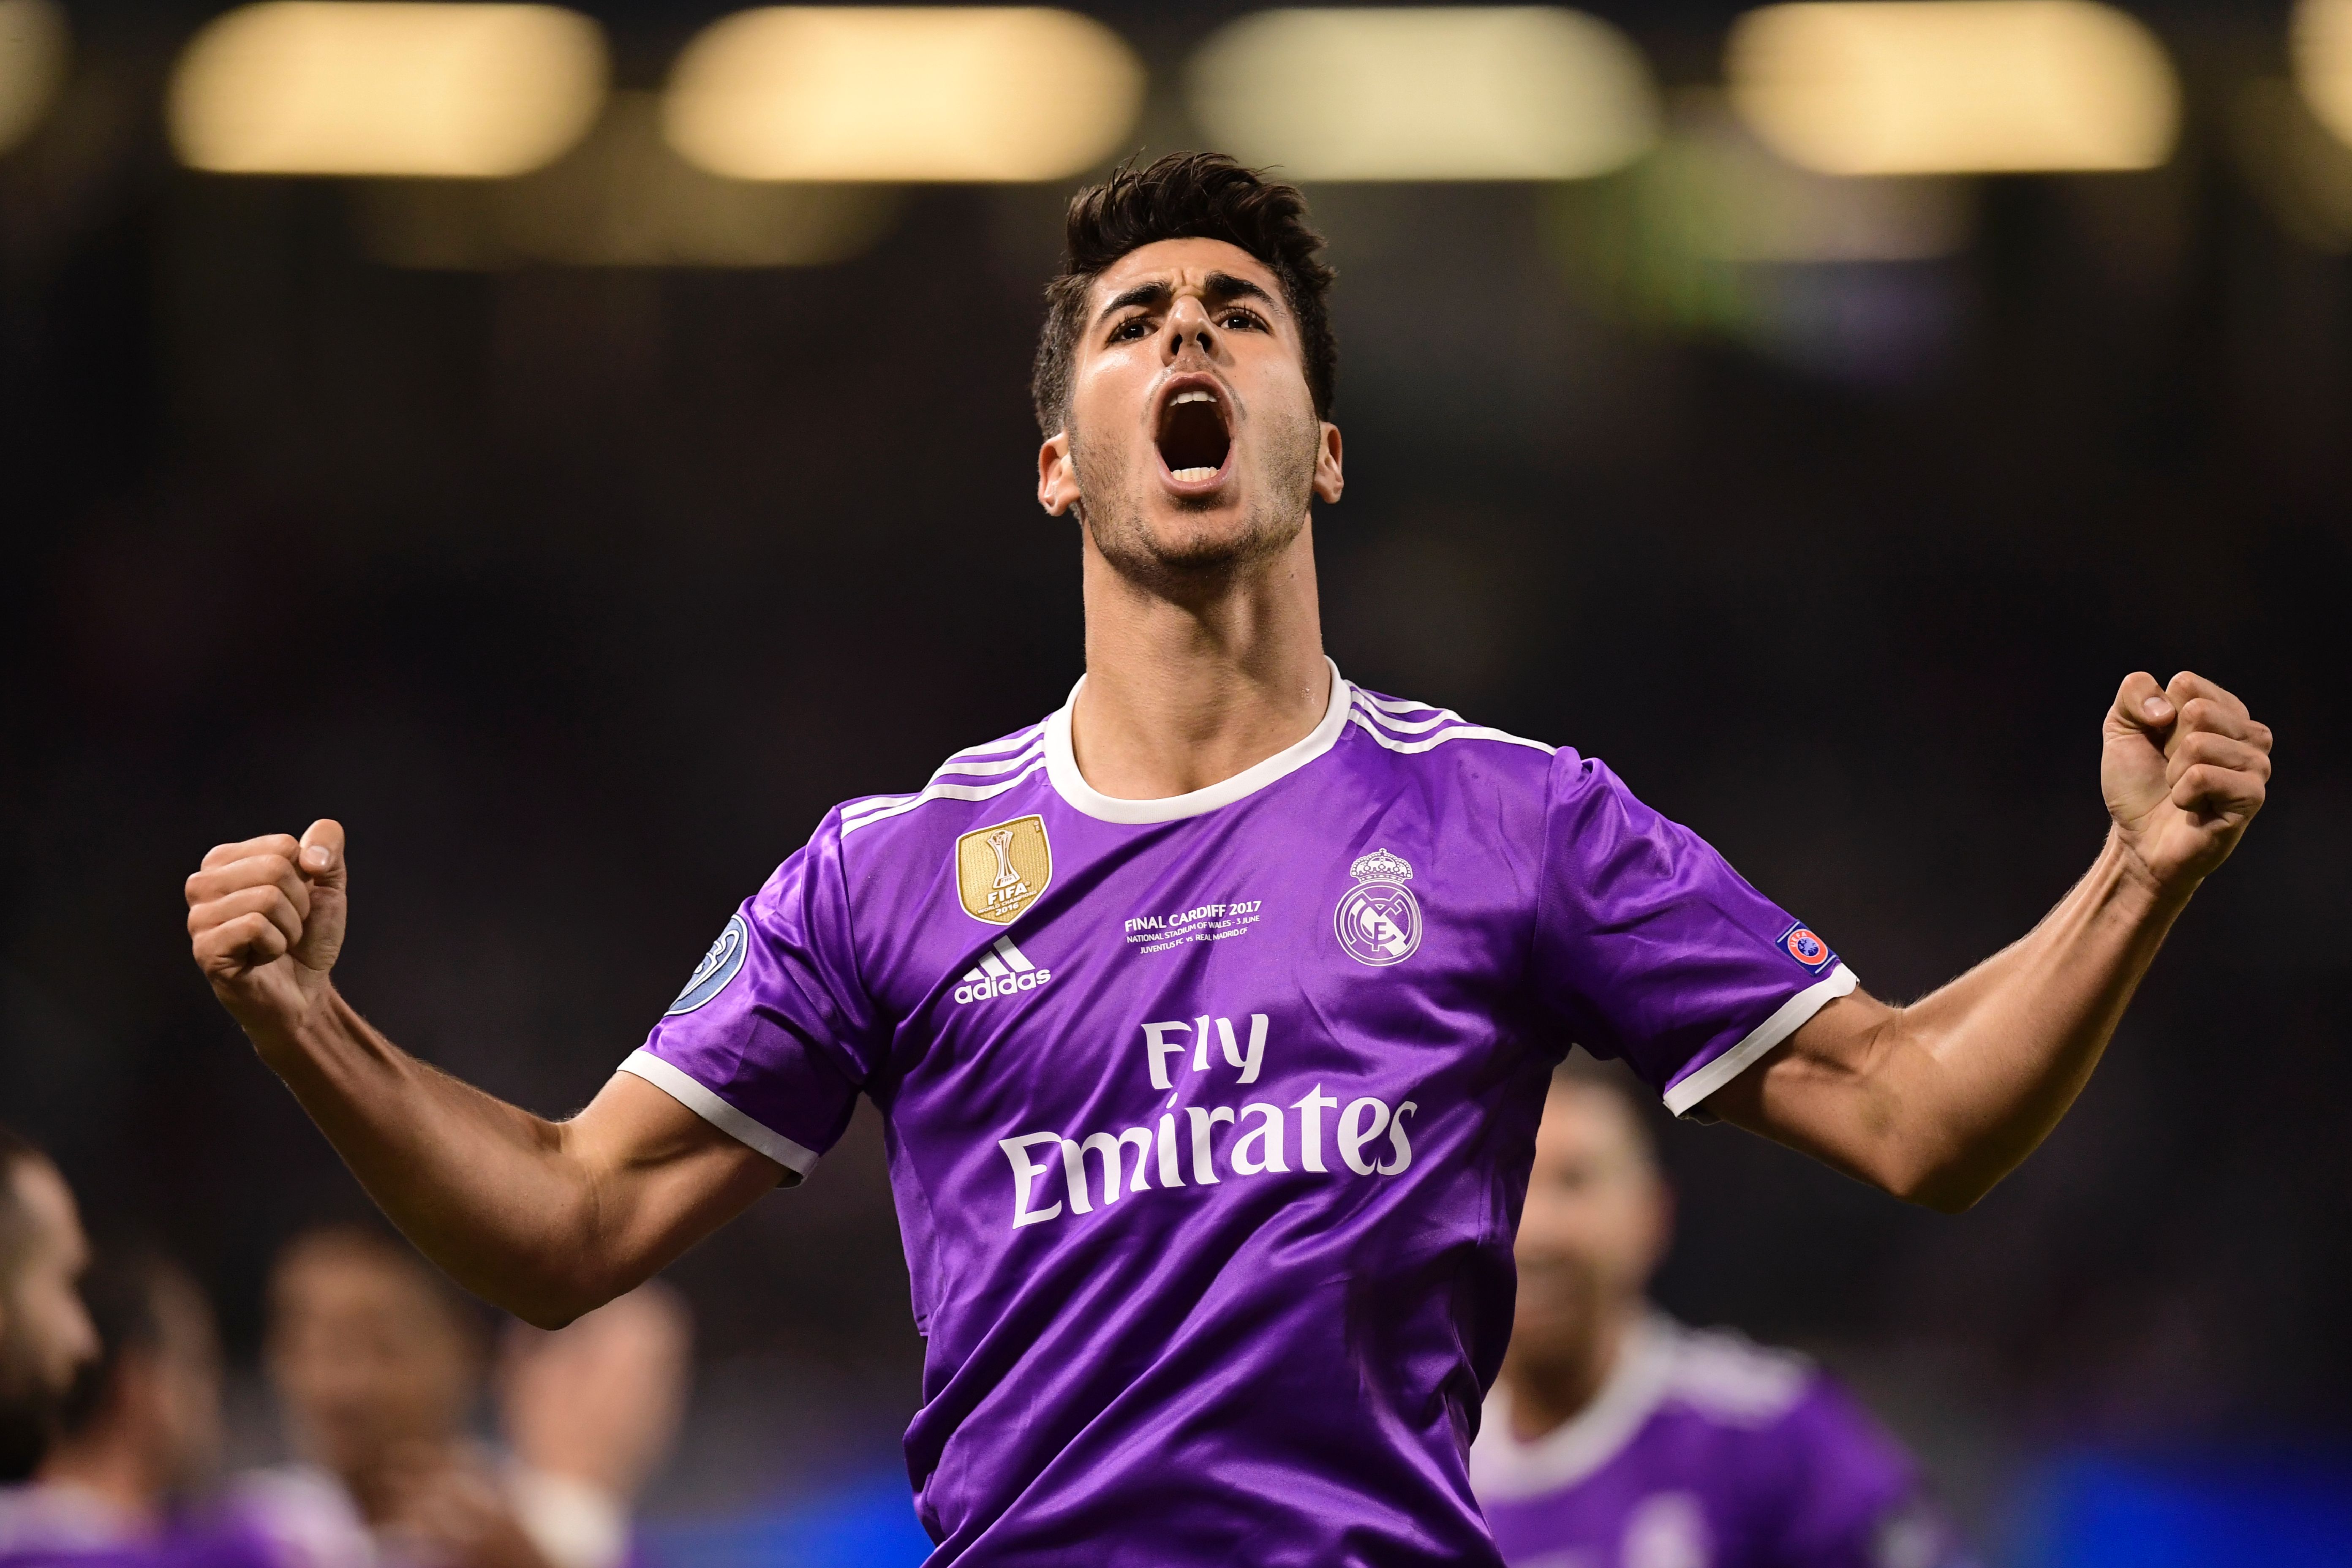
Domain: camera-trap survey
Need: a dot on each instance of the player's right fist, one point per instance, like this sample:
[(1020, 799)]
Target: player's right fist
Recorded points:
[(266, 921)]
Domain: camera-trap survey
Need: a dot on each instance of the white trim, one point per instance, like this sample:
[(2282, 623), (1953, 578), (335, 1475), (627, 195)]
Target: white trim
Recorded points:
[(942, 792), (1019, 741), (1387, 720), (692, 1093), (1503, 1467), (1466, 733), (983, 768), (1396, 704), (874, 804), (1784, 1021), (1062, 767)]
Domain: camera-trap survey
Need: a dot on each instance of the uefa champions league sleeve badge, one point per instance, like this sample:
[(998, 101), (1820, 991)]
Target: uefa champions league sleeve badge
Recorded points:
[(719, 966), (1378, 921)]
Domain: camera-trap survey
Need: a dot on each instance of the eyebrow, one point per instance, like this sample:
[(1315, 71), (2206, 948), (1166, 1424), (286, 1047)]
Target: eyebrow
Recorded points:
[(1220, 286)]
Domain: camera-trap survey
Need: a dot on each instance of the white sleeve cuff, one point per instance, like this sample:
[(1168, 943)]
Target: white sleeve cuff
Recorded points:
[(1786, 1020), (691, 1093), (573, 1523)]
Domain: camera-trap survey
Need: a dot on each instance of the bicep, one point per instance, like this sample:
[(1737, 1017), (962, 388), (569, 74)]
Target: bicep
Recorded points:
[(1818, 1091), (663, 1178)]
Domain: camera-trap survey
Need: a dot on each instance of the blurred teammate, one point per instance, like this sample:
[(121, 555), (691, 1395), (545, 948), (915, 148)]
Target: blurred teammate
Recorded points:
[(142, 1425), (46, 1335), (379, 1366), (1617, 1438), (1210, 1017), (135, 1438)]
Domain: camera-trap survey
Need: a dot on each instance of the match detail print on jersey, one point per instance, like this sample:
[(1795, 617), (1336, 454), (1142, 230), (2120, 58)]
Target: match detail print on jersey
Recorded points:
[(1001, 869)]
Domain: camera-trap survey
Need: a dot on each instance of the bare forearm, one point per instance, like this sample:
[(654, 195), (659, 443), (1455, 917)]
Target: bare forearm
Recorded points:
[(488, 1191), (1981, 1070), (546, 1219), (1937, 1101)]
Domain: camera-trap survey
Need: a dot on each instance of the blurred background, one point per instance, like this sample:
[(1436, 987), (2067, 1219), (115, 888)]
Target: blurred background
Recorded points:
[(576, 448)]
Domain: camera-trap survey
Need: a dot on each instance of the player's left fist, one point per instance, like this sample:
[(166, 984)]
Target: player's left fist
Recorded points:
[(2184, 769)]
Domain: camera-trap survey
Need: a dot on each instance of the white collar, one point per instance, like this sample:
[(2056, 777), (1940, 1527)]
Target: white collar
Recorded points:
[(1062, 766), (1503, 1467)]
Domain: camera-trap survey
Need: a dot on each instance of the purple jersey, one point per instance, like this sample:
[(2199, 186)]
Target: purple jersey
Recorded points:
[(47, 1525), (1209, 1118), (1704, 1451)]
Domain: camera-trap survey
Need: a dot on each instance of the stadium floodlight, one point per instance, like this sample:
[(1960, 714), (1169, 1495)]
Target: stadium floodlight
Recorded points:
[(32, 65), (364, 86), (912, 93), (2323, 62), (1954, 87), (1520, 92)]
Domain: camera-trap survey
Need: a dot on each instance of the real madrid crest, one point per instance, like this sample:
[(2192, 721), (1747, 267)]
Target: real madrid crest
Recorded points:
[(1002, 869), (1378, 921)]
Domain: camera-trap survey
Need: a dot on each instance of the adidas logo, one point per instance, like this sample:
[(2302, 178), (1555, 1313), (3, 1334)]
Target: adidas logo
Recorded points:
[(1002, 971)]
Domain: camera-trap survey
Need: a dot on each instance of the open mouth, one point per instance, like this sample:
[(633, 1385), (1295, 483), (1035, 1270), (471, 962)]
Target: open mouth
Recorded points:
[(1193, 441)]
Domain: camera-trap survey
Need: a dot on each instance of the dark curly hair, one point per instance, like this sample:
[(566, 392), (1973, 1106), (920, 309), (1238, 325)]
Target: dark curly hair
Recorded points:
[(1184, 195)]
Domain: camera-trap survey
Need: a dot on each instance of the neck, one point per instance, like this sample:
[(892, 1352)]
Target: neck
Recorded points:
[(111, 1469), (1189, 687), (1552, 1387)]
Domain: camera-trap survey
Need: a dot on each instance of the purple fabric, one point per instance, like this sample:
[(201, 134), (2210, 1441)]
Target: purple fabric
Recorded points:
[(1271, 1344), (192, 1550), (56, 1527), (1712, 1455)]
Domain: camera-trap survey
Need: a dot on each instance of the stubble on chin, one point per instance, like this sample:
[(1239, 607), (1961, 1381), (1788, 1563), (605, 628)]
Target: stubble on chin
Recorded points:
[(1190, 551)]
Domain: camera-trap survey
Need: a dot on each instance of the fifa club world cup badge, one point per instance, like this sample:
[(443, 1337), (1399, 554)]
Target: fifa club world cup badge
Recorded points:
[(1001, 869), (1378, 921)]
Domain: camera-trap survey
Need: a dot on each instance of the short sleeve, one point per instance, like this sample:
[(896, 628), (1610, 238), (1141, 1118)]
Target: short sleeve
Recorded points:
[(774, 1034), (1650, 947)]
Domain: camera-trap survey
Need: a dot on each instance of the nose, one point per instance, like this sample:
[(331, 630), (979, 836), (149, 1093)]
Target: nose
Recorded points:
[(1188, 331)]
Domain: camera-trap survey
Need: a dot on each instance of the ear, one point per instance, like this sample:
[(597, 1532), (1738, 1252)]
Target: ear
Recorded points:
[(1330, 481), (1057, 476)]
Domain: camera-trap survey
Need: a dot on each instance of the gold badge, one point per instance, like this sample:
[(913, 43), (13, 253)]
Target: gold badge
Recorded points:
[(1001, 871)]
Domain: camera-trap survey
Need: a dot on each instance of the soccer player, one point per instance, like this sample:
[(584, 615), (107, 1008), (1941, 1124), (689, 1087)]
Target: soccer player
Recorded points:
[(90, 1404), (142, 1425), (45, 1336), (378, 1365), (1617, 1438), (1210, 1017)]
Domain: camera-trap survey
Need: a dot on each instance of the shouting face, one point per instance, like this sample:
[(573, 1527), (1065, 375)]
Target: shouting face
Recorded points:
[(1193, 446)]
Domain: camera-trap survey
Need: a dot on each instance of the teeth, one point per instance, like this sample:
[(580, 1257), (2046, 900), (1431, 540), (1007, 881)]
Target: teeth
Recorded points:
[(1195, 396), (1193, 476)]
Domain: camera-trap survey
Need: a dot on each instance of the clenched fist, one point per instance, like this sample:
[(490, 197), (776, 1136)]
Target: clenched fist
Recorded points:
[(265, 920), (2184, 769)]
